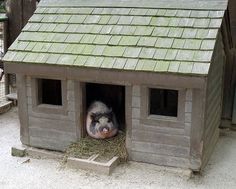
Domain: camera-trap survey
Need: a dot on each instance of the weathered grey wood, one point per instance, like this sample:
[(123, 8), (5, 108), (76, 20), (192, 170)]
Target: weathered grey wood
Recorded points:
[(161, 149), (23, 112), (197, 129), (82, 108), (165, 129), (161, 159), (213, 101), (160, 138), (128, 118), (51, 144), (51, 133), (122, 78), (90, 164), (211, 146), (212, 121), (77, 107), (208, 141), (163, 122), (55, 124), (69, 117), (136, 90), (40, 153)]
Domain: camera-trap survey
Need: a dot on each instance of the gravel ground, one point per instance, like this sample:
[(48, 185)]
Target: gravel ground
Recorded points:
[(49, 174)]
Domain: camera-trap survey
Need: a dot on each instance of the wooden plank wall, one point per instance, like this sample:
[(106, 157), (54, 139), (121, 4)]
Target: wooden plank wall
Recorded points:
[(23, 110), (53, 131), (160, 144), (213, 101)]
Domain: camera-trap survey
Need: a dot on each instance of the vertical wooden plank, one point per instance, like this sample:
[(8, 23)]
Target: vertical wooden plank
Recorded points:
[(80, 109), (196, 143), (22, 109), (128, 118), (78, 104), (213, 101), (232, 15), (5, 36)]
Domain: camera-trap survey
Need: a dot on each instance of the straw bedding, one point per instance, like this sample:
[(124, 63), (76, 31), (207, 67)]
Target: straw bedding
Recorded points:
[(106, 148)]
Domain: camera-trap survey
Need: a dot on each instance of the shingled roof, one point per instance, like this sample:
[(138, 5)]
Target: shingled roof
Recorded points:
[(124, 37)]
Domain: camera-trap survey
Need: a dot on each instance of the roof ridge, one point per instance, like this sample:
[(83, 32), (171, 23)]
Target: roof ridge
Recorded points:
[(176, 4)]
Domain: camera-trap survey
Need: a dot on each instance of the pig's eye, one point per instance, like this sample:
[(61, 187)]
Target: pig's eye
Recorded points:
[(95, 121), (109, 121)]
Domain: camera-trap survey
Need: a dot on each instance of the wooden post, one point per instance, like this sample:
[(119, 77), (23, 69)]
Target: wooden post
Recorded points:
[(18, 13), (29, 7), (232, 15), (14, 14)]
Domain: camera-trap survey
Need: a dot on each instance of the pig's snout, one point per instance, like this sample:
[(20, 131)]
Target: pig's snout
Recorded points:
[(105, 130)]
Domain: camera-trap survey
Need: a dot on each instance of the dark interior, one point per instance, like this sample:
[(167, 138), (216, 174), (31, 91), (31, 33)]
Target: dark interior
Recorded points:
[(112, 95), (49, 92), (163, 102)]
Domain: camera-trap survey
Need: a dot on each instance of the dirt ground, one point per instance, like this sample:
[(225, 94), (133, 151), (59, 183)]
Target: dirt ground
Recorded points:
[(49, 174)]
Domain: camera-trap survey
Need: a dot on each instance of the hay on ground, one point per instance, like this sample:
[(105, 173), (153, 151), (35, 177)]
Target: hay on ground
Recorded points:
[(106, 148)]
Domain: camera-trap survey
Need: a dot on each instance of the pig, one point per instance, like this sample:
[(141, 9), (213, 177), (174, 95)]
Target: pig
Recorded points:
[(101, 121)]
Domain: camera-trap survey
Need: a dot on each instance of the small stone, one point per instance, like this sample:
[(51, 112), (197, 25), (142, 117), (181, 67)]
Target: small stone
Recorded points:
[(18, 151)]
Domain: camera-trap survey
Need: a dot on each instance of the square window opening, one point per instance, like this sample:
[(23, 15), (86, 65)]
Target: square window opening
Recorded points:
[(49, 92), (163, 102)]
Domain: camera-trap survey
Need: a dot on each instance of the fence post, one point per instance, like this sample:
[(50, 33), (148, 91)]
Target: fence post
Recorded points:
[(29, 7), (18, 13), (15, 15)]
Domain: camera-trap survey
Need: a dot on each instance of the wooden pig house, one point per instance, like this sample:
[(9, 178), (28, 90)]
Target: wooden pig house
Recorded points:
[(158, 64)]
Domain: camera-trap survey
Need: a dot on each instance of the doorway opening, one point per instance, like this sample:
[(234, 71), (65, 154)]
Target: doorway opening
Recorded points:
[(112, 95)]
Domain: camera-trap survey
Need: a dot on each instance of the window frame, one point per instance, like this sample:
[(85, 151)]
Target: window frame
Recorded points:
[(153, 119), (48, 108)]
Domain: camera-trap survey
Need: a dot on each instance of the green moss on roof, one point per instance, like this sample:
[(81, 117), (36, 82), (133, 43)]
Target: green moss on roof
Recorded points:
[(135, 39)]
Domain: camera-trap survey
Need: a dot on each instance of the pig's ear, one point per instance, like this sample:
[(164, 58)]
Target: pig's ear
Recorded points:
[(110, 113), (110, 110)]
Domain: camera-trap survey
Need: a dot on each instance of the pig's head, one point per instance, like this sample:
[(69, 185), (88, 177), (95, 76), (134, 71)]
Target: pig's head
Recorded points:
[(102, 125)]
